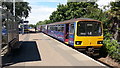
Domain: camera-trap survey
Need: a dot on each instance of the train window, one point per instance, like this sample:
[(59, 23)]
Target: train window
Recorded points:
[(81, 29), (71, 28), (62, 29), (51, 28), (89, 28), (55, 28), (61, 25), (59, 28), (98, 29)]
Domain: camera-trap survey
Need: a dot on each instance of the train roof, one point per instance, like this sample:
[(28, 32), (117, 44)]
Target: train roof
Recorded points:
[(71, 21)]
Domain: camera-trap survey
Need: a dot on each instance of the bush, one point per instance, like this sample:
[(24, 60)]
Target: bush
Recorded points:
[(113, 49)]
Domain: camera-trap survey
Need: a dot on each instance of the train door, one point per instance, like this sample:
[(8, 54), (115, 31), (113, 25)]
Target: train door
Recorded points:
[(66, 33), (71, 33), (46, 29)]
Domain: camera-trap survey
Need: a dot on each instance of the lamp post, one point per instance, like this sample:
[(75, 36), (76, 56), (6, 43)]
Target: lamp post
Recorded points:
[(14, 9)]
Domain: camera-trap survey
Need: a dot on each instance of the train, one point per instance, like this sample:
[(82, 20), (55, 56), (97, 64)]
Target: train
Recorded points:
[(84, 34), (9, 36)]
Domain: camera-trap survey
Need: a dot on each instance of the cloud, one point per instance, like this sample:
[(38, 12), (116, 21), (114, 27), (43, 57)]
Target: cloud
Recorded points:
[(105, 2), (101, 3), (41, 10), (39, 13)]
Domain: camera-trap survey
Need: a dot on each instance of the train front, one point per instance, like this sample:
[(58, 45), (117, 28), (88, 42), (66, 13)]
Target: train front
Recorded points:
[(88, 35)]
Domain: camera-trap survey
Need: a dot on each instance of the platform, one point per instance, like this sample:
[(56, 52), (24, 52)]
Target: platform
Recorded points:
[(39, 49)]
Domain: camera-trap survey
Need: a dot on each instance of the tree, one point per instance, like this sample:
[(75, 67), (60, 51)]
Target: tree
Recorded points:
[(31, 25), (114, 13), (43, 22), (22, 9), (75, 10)]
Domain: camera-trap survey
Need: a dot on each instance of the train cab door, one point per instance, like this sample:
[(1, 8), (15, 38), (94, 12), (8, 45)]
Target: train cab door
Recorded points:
[(66, 33)]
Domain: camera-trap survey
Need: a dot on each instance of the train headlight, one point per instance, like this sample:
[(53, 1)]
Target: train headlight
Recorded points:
[(100, 42), (78, 42)]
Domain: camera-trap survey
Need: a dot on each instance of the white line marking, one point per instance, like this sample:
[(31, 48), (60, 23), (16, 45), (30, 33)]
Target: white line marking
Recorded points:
[(44, 35)]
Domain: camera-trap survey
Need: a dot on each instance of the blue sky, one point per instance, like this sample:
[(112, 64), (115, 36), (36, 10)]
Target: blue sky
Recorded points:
[(50, 4), (42, 9)]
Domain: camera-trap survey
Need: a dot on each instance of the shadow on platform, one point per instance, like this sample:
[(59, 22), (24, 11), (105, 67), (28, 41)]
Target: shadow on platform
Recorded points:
[(28, 52)]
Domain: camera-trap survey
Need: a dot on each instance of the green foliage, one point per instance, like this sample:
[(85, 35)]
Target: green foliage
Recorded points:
[(107, 35), (81, 0), (112, 48), (76, 10), (31, 25), (22, 9), (43, 22), (113, 16), (115, 9), (114, 19)]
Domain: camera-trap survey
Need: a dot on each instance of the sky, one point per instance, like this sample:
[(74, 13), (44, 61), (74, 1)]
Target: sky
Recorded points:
[(42, 9)]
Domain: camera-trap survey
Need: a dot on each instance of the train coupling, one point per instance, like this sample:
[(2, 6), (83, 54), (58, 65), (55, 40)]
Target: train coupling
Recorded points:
[(91, 51)]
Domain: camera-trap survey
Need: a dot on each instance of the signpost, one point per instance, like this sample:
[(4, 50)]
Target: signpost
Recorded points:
[(22, 24)]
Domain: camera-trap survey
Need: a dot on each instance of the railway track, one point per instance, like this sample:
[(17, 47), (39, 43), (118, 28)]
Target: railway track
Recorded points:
[(96, 58)]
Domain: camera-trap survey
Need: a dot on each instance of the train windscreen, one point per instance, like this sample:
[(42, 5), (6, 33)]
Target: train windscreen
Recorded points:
[(89, 28)]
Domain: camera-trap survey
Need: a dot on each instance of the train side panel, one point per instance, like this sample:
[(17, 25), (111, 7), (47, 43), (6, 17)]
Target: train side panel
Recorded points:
[(56, 32)]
